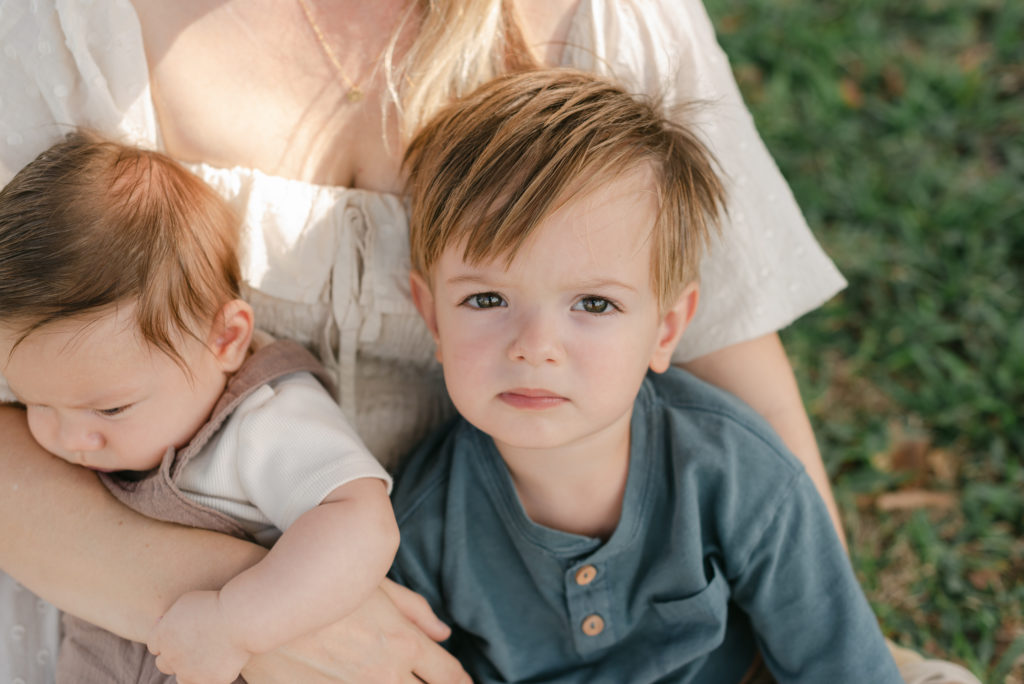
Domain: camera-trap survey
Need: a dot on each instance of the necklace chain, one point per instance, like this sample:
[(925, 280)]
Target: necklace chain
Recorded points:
[(355, 92)]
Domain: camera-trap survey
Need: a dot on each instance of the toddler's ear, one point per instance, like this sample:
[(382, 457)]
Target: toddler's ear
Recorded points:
[(673, 323), (423, 299), (231, 334)]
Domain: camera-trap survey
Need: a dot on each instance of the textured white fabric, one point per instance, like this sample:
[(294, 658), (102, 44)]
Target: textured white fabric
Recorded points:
[(327, 266), (284, 449), (29, 635)]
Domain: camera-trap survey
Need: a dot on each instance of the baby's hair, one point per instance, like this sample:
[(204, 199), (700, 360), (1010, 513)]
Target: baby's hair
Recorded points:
[(490, 167), (92, 224)]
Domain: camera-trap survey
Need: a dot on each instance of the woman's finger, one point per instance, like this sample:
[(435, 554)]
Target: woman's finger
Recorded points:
[(375, 644), (416, 609), (437, 666)]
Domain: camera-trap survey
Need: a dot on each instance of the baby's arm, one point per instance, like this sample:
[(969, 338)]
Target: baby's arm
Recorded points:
[(322, 567)]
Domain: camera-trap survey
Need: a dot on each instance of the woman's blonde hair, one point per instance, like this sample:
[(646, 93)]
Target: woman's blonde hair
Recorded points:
[(459, 45)]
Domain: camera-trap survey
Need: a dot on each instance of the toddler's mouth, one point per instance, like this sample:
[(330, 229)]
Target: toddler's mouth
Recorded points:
[(530, 398)]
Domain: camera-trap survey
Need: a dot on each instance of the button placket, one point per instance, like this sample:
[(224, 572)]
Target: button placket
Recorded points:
[(593, 625), (588, 603), (586, 575)]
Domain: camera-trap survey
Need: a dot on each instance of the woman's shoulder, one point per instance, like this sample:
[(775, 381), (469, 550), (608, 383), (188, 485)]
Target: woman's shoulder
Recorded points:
[(66, 65), (652, 46)]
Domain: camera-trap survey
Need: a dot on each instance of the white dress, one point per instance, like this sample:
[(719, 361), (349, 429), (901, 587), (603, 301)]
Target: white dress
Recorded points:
[(328, 266)]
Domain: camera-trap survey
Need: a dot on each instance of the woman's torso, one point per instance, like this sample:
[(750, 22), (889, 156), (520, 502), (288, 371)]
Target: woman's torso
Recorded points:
[(317, 175), (283, 109), (324, 247)]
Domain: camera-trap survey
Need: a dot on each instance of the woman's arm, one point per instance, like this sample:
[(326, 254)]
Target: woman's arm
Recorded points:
[(67, 539), (759, 373)]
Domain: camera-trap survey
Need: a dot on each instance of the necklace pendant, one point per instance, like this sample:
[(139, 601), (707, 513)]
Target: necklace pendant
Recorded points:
[(354, 94)]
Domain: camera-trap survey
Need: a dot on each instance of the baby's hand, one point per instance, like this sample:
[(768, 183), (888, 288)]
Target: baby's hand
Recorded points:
[(194, 641)]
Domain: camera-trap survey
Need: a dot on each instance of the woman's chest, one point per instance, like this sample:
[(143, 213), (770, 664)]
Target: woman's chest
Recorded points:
[(251, 85)]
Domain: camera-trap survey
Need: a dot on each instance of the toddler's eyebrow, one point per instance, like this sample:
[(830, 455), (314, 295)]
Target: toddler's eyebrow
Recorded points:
[(601, 283), (469, 278), (582, 285)]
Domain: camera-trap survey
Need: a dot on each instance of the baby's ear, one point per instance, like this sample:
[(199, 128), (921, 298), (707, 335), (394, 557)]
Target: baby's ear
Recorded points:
[(231, 334), (673, 323), (423, 299)]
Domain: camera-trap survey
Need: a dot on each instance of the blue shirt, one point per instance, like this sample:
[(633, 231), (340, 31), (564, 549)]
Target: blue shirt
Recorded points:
[(723, 547)]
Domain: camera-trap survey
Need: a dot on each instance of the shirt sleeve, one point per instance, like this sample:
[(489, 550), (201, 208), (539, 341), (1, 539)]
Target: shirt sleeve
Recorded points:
[(420, 500), (285, 448), (418, 562), (65, 64), (813, 622), (766, 269)]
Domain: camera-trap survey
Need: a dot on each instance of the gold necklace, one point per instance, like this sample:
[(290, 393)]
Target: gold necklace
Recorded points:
[(355, 92)]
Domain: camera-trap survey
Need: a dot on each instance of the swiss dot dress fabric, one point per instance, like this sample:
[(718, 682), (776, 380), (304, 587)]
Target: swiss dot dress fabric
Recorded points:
[(327, 266)]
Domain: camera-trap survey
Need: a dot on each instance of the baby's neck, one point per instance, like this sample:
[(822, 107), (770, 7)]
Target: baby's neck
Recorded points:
[(576, 489)]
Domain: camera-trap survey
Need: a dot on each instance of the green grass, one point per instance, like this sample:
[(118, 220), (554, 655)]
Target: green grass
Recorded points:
[(900, 127)]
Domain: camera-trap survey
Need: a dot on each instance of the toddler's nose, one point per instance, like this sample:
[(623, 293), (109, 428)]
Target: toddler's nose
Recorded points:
[(537, 341)]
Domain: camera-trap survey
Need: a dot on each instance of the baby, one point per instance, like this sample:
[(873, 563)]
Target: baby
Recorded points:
[(595, 514), (122, 333)]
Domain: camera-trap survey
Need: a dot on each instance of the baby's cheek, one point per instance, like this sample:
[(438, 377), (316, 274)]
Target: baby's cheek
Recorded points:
[(42, 426), (144, 446)]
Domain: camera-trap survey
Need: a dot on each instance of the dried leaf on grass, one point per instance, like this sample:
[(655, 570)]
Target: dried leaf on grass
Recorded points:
[(851, 93), (943, 464), (909, 499), (908, 456), (913, 454)]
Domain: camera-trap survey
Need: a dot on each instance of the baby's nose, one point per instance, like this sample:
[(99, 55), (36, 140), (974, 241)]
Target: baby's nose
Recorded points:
[(78, 438)]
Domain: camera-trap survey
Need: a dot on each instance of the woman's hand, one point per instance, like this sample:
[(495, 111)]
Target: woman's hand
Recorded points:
[(389, 638)]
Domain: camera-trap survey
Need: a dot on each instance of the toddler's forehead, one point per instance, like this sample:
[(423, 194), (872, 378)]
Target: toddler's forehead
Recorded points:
[(590, 209), (606, 221)]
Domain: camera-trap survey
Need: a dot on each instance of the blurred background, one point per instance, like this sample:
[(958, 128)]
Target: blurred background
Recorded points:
[(900, 127)]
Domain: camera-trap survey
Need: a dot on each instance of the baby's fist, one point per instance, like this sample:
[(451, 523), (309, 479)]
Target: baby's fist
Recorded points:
[(194, 642)]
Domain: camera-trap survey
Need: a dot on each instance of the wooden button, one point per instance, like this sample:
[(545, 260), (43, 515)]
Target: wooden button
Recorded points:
[(586, 575), (593, 625)]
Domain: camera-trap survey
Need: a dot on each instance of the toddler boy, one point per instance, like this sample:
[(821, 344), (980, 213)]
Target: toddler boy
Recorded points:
[(596, 515)]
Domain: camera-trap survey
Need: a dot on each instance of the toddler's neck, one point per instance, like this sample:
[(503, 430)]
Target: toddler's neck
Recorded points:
[(576, 489)]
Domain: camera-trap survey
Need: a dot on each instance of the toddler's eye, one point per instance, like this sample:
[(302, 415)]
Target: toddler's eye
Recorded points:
[(484, 300), (594, 305), (113, 411)]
